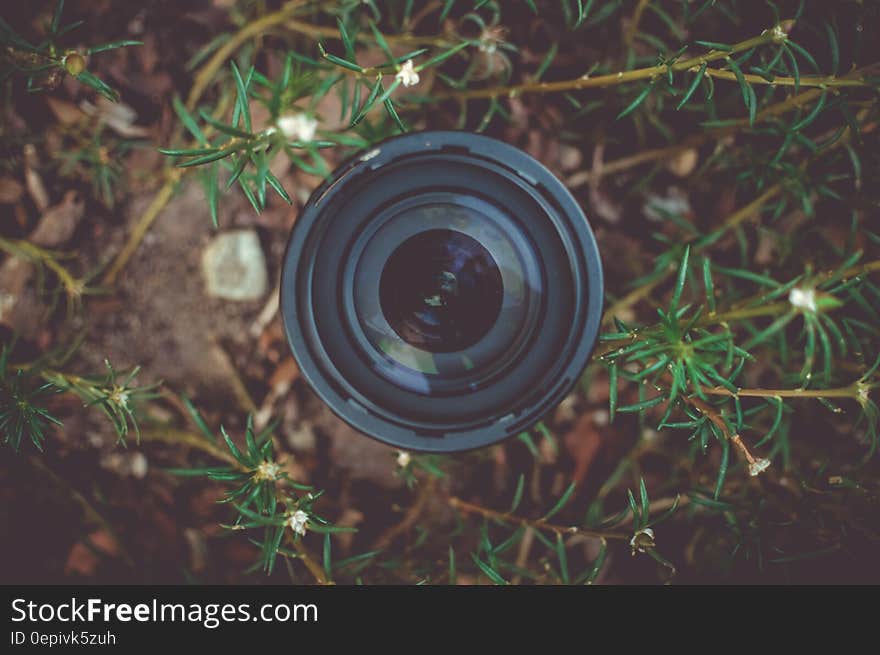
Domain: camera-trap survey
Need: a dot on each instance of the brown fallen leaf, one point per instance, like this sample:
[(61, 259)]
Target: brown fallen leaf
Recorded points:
[(279, 385), (350, 518), (33, 179), (11, 191), (58, 223), (83, 559), (286, 372), (118, 116), (67, 113), (583, 443)]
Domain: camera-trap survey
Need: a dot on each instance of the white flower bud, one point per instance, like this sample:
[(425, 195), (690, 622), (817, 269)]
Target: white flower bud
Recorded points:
[(297, 127), (642, 541), (297, 522), (803, 299), (758, 466), (267, 471), (407, 74)]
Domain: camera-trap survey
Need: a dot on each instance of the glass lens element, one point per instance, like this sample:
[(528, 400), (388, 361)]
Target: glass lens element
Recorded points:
[(441, 291)]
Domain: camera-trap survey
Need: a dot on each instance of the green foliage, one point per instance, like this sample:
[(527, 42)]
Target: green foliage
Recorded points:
[(246, 154), (263, 494), (746, 317), (95, 155), (798, 116), (114, 393), (502, 536), (44, 64), (24, 391), (22, 417)]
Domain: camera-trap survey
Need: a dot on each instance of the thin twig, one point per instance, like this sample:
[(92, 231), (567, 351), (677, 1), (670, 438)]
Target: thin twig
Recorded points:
[(505, 517), (733, 220), (649, 73), (410, 517), (850, 391), (177, 437)]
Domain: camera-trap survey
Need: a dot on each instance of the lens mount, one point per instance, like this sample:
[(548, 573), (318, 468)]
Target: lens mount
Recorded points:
[(441, 291)]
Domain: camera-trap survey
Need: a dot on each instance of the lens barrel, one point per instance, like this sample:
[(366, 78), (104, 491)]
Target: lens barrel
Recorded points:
[(441, 291)]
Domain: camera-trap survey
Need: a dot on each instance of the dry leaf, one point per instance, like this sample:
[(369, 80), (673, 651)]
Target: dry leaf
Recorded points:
[(58, 224), (67, 113), (10, 191)]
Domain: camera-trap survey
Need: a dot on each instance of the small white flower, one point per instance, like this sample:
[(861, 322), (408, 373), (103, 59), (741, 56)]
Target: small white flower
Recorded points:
[(642, 541), (268, 471), (804, 299), (119, 396), (403, 459), (758, 466), (297, 127), (297, 522), (407, 74), (779, 34)]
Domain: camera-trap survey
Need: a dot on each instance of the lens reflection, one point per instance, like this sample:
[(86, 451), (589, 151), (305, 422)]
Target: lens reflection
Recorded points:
[(441, 291)]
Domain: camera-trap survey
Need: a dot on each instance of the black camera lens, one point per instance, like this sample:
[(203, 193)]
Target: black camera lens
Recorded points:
[(441, 291)]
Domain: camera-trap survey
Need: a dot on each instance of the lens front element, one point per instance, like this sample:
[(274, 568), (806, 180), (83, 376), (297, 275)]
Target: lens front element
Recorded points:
[(442, 291)]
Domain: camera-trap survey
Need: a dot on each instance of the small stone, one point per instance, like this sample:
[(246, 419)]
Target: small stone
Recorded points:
[(302, 438), (234, 266), (138, 465), (683, 163)]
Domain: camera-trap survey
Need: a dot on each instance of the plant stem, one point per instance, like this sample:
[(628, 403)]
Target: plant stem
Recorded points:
[(410, 517), (693, 141), (822, 82), (471, 508), (651, 72), (840, 392), (733, 220), (632, 28), (174, 175), (206, 74), (326, 32), (722, 426), (20, 247), (177, 437)]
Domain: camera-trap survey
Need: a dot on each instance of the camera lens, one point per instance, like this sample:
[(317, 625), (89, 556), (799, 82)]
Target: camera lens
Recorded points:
[(441, 291)]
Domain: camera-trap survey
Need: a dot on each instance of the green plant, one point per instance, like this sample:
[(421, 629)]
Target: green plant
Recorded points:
[(741, 344), (264, 496), (44, 64), (21, 391), (21, 415)]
